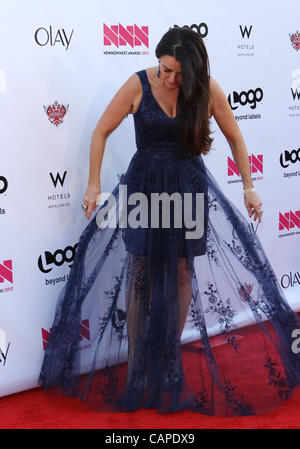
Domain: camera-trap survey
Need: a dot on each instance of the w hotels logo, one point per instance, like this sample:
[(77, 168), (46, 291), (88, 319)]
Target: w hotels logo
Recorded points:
[(256, 165), (84, 333), (119, 35), (289, 220)]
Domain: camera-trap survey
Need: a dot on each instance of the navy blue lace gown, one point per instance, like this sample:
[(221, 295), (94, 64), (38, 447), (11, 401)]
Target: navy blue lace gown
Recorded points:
[(135, 288)]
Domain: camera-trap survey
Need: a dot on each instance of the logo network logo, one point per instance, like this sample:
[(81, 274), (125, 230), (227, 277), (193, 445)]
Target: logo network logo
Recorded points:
[(256, 165), (4, 185), (289, 280), (56, 113), (84, 333), (58, 258), (289, 220), (245, 31), (252, 97), (288, 157), (3, 348), (295, 40), (42, 37), (133, 35), (201, 29)]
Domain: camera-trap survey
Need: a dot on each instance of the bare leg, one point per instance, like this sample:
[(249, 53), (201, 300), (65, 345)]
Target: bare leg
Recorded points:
[(138, 300), (184, 291)]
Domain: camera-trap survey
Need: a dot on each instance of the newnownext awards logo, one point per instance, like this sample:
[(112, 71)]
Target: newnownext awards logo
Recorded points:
[(289, 223), (84, 334), (125, 40), (256, 168), (6, 276)]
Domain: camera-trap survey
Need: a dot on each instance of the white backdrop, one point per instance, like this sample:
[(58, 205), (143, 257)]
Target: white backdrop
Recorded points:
[(60, 64)]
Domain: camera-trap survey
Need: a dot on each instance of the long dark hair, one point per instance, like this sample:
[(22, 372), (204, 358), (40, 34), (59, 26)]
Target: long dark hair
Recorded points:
[(188, 48)]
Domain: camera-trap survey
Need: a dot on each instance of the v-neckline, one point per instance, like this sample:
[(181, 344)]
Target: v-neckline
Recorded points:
[(171, 118)]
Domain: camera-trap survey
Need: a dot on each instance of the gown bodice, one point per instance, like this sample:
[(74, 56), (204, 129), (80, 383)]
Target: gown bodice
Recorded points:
[(156, 134)]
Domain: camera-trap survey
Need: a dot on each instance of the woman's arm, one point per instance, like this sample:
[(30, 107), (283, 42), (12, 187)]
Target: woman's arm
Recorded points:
[(223, 115), (121, 105)]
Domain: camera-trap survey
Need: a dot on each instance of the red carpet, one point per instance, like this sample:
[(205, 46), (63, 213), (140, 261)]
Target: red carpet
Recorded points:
[(34, 409)]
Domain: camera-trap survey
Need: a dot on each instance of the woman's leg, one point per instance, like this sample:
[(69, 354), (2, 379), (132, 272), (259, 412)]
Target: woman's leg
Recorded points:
[(138, 299), (138, 302), (184, 291)]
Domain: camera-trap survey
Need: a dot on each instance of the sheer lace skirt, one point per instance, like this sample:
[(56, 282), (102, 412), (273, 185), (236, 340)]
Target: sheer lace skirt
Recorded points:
[(236, 358)]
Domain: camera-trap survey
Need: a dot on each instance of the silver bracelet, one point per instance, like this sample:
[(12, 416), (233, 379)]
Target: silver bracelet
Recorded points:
[(250, 190)]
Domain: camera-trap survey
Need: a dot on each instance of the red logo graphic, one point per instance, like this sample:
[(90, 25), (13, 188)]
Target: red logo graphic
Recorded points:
[(56, 113), (256, 164), (6, 271), (295, 39), (289, 220), (119, 35), (84, 332)]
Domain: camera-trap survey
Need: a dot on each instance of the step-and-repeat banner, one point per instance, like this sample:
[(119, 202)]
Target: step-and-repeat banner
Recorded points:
[(60, 64)]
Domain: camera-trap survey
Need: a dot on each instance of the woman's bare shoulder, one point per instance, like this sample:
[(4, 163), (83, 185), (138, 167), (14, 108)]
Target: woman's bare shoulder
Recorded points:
[(136, 88)]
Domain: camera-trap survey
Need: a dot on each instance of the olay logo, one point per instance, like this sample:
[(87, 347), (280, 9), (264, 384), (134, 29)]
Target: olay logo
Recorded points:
[(6, 271), (256, 165), (84, 333), (289, 220), (119, 35), (290, 279), (4, 347), (42, 37)]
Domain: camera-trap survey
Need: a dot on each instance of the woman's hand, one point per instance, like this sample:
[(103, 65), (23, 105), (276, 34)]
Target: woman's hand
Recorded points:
[(90, 198), (253, 205)]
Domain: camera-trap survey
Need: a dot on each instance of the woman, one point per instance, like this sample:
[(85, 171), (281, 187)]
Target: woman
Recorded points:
[(138, 284)]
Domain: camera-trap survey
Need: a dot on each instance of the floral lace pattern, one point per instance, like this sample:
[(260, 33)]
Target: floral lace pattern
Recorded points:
[(138, 288)]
